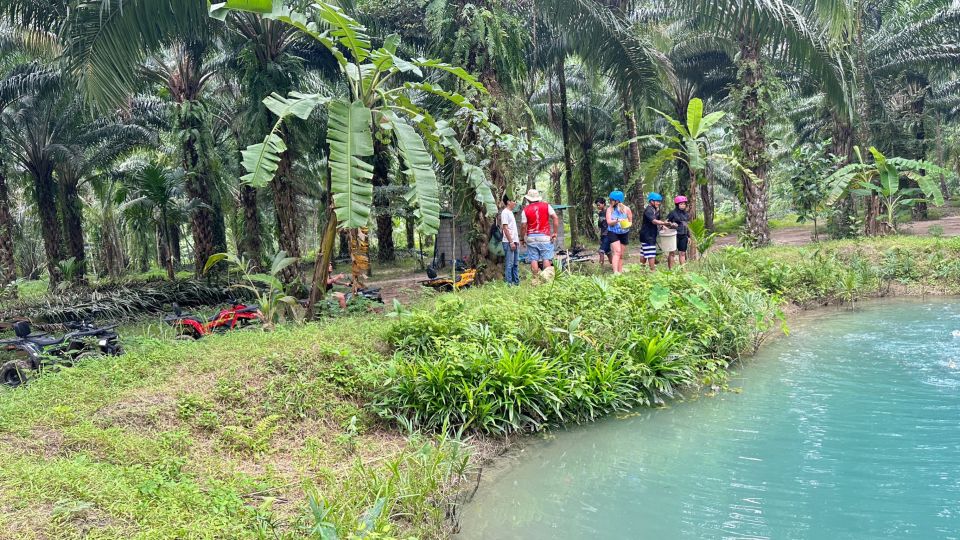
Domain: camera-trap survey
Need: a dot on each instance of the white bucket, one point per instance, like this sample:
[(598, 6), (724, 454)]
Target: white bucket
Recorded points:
[(667, 240)]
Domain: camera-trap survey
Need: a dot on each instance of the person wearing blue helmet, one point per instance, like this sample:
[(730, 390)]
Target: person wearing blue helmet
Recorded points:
[(619, 221), (652, 222)]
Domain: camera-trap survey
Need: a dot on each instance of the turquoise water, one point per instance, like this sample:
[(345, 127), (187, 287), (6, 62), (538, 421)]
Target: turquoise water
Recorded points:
[(849, 428)]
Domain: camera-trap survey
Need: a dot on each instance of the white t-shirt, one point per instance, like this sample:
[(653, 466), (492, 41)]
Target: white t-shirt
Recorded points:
[(507, 218)]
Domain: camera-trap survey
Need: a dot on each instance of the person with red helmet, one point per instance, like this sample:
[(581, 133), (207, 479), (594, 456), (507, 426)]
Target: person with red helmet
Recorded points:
[(680, 218)]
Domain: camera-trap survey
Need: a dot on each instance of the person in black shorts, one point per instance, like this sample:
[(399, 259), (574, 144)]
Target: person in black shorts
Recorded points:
[(604, 251), (651, 228), (680, 219)]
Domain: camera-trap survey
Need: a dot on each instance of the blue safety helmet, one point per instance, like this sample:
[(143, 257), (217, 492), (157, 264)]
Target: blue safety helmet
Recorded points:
[(616, 196), (654, 196)]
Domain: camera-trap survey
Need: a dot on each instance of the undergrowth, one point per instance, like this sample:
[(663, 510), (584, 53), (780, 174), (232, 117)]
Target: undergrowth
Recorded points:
[(281, 435)]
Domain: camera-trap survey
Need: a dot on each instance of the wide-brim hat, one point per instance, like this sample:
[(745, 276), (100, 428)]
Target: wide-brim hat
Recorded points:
[(533, 196)]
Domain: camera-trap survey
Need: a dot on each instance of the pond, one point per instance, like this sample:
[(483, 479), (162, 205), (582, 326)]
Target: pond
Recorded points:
[(848, 428)]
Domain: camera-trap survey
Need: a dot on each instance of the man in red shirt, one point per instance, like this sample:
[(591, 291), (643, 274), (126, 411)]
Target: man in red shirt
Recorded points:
[(535, 232)]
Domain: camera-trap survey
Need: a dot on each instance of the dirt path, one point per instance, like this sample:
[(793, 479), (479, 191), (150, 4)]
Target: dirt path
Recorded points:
[(407, 287)]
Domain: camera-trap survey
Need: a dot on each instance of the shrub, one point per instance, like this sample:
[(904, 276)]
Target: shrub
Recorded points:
[(569, 351)]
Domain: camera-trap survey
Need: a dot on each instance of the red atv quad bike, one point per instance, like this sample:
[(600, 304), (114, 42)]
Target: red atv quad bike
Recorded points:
[(189, 326)]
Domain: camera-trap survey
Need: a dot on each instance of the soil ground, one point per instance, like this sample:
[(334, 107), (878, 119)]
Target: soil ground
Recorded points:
[(406, 287)]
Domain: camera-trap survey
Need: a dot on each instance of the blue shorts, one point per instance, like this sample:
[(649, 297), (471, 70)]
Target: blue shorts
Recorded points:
[(649, 251), (605, 244), (539, 251)]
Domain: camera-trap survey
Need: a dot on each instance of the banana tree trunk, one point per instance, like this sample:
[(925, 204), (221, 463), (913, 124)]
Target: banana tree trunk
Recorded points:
[(692, 189), (567, 153), (72, 210), (8, 267), (322, 264), (751, 132), (359, 256)]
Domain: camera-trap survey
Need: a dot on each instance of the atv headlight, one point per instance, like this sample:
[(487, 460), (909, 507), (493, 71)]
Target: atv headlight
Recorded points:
[(102, 343)]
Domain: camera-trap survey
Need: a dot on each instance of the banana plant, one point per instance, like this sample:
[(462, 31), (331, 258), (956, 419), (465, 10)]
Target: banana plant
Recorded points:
[(378, 105), (688, 144), (882, 178)]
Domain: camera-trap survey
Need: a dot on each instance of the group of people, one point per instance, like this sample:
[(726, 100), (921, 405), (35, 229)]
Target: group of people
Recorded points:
[(616, 220), (539, 226)]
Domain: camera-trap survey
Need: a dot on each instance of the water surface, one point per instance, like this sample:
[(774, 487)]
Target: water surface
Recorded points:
[(849, 428)]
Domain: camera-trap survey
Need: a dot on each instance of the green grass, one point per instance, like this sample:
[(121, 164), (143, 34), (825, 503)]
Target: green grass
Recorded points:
[(273, 435), (222, 438)]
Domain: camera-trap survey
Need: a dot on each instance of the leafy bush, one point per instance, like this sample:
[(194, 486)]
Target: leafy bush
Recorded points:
[(501, 362)]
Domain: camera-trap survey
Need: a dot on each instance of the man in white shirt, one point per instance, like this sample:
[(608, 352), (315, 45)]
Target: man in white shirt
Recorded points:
[(511, 242)]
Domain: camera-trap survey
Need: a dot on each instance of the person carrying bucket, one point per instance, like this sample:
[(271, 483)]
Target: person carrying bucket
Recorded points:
[(680, 219), (650, 228), (619, 220)]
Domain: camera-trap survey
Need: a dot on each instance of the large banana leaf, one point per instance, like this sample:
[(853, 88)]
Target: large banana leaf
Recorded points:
[(349, 32), (350, 140), (481, 188), (694, 116), (261, 160), (424, 194)]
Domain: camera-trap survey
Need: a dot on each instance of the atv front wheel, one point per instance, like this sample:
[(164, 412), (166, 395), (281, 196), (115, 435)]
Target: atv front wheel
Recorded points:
[(15, 372)]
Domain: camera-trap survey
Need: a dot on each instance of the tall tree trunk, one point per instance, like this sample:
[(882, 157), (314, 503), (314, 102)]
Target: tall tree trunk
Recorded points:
[(72, 209), (751, 132), (199, 187), (632, 182), (320, 269), (556, 192), (920, 209), (567, 154), (8, 267), (706, 196), (586, 187), (941, 158), (409, 224), (173, 240), (251, 243), (841, 146), (381, 201), (45, 191), (288, 226)]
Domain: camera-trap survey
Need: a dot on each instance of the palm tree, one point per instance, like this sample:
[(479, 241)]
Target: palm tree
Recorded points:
[(32, 125), (185, 73), (8, 267), (80, 150), (157, 190), (268, 60), (766, 30)]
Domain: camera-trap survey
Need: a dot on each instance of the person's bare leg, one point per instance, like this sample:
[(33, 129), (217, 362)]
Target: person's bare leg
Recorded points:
[(615, 257), (670, 261), (652, 263), (535, 268), (683, 257)]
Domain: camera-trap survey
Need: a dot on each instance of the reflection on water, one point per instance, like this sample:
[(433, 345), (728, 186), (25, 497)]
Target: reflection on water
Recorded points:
[(849, 428)]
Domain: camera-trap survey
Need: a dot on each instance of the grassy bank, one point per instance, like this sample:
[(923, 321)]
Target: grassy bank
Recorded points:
[(313, 428)]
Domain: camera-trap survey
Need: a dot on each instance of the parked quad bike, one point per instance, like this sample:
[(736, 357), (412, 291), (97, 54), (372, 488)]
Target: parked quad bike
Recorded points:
[(189, 326), (32, 351)]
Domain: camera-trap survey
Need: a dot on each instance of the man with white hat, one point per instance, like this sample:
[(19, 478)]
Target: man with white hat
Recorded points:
[(535, 231)]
